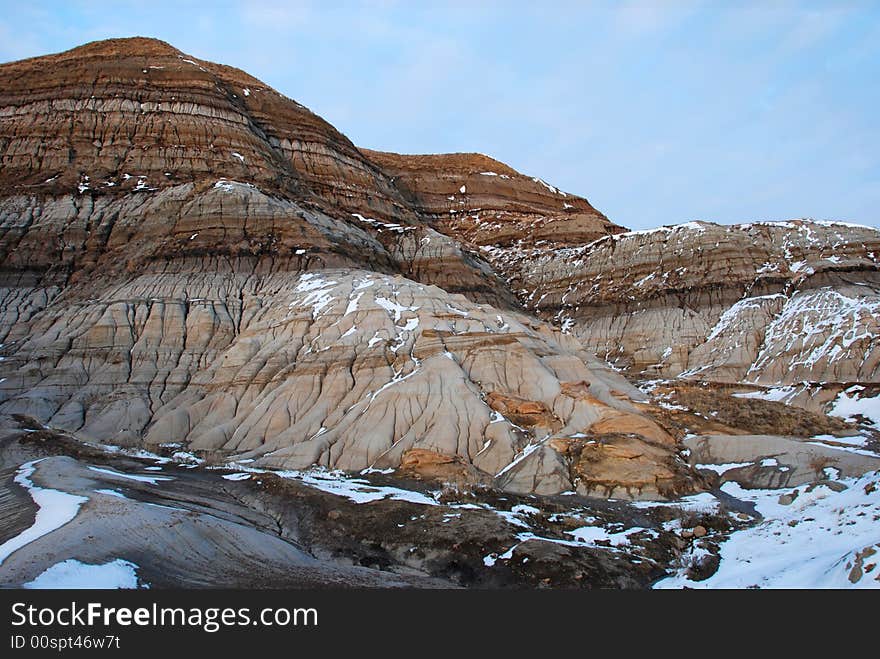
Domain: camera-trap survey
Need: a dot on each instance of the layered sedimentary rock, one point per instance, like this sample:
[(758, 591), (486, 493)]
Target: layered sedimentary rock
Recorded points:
[(128, 144), (770, 461), (344, 368), (189, 258), (133, 114), (767, 303), (485, 203), (55, 243)]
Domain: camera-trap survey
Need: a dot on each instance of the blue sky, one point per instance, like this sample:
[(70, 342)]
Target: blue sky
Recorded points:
[(657, 112)]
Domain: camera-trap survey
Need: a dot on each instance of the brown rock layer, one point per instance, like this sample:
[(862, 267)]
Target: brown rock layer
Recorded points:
[(483, 202), (765, 302), (131, 146)]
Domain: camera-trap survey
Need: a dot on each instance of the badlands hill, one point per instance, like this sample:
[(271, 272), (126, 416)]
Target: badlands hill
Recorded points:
[(191, 258)]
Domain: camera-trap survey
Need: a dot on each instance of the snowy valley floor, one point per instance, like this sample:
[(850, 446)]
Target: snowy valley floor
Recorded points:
[(74, 515), (816, 536)]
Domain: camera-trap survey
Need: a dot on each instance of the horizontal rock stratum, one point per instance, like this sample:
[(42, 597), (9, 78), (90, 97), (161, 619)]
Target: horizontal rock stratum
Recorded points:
[(189, 257), (766, 302)]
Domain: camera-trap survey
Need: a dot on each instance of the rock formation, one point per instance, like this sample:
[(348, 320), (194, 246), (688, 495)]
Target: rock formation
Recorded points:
[(127, 154), (342, 368), (485, 203), (766, 303), (188, 257)]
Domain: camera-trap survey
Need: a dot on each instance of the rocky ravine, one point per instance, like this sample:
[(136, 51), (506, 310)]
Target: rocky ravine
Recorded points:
[(193, 263)]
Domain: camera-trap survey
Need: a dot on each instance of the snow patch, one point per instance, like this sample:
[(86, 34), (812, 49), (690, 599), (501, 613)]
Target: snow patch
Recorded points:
[(318, 292), (354, 489), (552, 189), (229, 186), (848, 405), (810, 543), (722, 468), (112, 493), (240, 476), (54, 509), (152, 480), (393, 307), (72, 574)]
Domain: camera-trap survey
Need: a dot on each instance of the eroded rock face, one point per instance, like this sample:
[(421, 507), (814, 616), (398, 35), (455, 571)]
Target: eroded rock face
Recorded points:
[(157, 214), (342, 368), (770, 461), (765, 303), (485, 203), (189, 257), (128, 154), (122, 115)]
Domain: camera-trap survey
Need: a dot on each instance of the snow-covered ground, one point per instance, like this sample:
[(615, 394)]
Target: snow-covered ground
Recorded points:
[(850, 404), (356, 489), (152, 480), (73, 574), (773, 394), (823, 539), (54, 510), (337, 482)]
